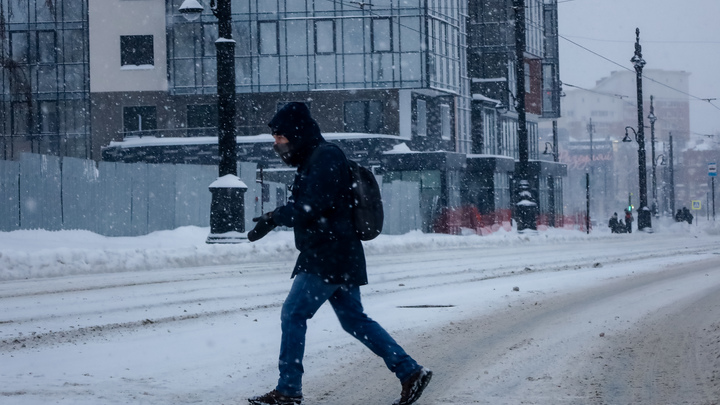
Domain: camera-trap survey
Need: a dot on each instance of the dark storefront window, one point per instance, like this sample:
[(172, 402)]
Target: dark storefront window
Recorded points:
[(202, 120), (137, 121), (363, 116)]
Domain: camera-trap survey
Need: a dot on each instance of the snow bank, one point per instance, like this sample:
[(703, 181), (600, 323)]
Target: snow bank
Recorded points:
[(38, 253)]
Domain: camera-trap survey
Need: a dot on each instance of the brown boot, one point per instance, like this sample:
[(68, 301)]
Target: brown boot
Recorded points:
[(275, 398), (413, 387)]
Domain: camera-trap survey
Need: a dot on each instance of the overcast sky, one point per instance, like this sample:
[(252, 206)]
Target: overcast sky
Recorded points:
[(674, 34)]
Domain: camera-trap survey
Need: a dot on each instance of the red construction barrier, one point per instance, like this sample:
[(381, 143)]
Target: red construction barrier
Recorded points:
[(455, 221), (468, 218)]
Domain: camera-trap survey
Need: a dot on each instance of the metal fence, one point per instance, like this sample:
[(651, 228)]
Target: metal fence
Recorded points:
[(113, 199), (401, 204), (131, 199)]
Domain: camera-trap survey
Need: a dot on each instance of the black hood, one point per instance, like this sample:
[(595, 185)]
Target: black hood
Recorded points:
[(295, 123)]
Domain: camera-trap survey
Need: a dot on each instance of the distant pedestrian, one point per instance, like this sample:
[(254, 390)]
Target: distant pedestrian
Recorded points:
[(628, 221), (687, 216), (679, 217), (621, 228), (614, 223)]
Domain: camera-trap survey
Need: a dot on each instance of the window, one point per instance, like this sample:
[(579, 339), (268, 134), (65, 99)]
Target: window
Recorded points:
[(296, 38), (19, 47), (268, 39), (324, 36), (549, 91), (381, 35), (75, 116), (445, 121), (527, 78), (421, 118), (73, 45), (352, 43), (20, 118), (363, 116), (136, 50), (46, 47), (489, 131), (73, 10), (48, 117), (202, 120), (141, 118), (202, 116)]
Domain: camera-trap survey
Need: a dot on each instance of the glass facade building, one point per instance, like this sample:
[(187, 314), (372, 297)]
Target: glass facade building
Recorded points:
[(291, 45), (44, 78)]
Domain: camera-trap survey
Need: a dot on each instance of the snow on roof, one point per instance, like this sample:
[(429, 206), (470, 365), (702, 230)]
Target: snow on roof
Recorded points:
[(138, 142), (480, 97), (228, 181)]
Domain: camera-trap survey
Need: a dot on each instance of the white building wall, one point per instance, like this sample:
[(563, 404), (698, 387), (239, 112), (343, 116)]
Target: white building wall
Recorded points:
[(612, 104), (110, 19)]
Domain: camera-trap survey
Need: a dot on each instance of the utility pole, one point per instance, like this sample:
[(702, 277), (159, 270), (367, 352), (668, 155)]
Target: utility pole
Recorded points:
[(591, 129), (551, 179), (587, 202), (672, 178), (526, 207), (713, 197), (556, 153), (652, 118)]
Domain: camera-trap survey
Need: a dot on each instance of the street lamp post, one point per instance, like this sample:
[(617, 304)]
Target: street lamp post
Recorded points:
[(644, 217), (526, 207), (661, 160), (652, 118), (550, 179), (227, 211), (672, 177), (591, 129)]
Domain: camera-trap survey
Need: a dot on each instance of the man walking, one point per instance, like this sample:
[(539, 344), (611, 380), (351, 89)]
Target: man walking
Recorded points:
[(331, 264)]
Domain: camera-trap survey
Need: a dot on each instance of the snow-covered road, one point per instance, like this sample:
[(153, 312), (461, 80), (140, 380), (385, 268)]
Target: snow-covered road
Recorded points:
[(538, 320)]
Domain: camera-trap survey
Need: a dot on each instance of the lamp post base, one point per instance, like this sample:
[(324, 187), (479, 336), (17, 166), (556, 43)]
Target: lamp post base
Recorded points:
[(644, 219), (526, 217), (526, 209), (227, 210), (227, 238)]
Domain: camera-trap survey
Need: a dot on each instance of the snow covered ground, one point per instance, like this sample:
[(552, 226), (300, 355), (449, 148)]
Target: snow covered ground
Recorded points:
[(505, 318)]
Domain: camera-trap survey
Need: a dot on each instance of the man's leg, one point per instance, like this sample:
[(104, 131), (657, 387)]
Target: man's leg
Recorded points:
[(307, 294), (348, 307)]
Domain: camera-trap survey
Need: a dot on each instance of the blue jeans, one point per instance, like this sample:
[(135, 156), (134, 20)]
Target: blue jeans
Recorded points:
[(307, 294)]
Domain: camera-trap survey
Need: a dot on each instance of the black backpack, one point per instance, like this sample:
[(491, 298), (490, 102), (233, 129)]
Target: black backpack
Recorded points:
[(368, 215)]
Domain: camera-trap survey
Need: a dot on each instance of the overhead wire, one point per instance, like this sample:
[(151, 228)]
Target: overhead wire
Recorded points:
[(644, 41), (620, 96), (708, 100)]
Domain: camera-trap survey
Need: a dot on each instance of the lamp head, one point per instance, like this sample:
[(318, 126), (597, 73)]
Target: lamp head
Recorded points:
[(627, 136), (191, 9), (652, 118), (548, 145), (501, 108)]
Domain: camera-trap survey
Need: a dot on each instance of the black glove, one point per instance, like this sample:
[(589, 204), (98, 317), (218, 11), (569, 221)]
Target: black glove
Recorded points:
[(264, 225)]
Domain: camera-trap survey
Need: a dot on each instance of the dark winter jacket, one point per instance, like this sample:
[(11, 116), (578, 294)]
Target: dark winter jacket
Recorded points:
[(613, 224), (320, 210)]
